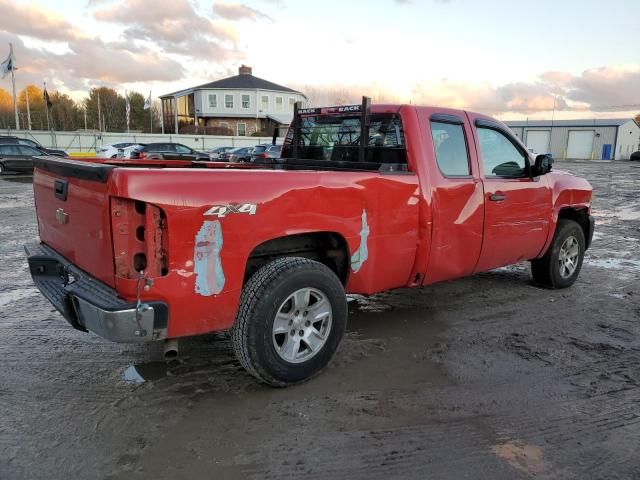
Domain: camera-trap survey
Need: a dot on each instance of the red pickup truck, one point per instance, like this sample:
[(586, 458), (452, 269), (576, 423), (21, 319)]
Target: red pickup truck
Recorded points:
[(364, 199)]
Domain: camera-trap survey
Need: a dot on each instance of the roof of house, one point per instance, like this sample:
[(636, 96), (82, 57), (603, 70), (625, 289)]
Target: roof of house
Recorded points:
[(591, 122), (237, 82)]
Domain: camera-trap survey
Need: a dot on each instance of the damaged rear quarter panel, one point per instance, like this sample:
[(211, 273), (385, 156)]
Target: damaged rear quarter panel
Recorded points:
[(203, 293)]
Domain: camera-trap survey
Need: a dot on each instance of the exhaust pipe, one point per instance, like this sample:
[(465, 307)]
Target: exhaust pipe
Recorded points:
[(170, 349)]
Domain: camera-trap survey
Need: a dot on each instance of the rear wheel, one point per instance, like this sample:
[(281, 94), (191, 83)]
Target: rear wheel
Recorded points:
[(560, 266), (2, 170), (292, 317)]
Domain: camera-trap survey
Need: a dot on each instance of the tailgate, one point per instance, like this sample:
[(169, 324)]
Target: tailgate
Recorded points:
[(73, 210)]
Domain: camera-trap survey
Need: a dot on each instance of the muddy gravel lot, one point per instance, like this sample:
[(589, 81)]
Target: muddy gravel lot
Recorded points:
[(486, 377)]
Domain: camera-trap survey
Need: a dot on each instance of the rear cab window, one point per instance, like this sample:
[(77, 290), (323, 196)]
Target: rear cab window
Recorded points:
[(328, 140)]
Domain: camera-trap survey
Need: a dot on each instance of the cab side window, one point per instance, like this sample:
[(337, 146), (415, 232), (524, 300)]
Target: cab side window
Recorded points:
[(500, 157), (451, 149)]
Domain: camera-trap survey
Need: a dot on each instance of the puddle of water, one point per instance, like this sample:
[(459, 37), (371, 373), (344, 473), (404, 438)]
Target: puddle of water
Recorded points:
[(145, 372), (628, 213), (614, 263), (526, 458), (28, 179), (15, 295)]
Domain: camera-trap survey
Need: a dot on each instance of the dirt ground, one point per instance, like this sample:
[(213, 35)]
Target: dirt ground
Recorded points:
[(486, 377)]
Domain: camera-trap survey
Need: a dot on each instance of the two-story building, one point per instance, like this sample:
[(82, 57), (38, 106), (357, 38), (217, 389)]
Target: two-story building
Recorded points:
[(240, 105)]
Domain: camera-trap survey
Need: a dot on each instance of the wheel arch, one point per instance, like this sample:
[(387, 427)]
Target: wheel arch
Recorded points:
[(327, 247), (580, 215)]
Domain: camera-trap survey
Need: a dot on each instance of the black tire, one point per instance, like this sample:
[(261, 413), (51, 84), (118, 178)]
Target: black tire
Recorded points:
[(262, 297), (2, 170), (546, 271)]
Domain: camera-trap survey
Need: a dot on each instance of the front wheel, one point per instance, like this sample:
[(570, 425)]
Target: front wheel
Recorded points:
[(560, 266), (292, 317)]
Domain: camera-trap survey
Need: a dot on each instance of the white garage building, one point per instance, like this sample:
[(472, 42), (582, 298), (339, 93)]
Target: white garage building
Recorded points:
[(607, 139)]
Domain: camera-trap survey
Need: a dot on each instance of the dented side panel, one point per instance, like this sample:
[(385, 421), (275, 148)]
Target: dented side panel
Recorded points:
[(211, 232)]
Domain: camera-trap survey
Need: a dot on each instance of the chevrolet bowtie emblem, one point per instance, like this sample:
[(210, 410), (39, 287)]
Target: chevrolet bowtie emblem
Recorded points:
[(62, 216)]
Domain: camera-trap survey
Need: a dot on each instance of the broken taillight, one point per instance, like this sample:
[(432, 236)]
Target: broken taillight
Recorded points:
[(139, 238)]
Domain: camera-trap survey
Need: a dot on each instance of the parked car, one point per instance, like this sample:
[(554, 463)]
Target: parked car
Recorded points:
[(111, 151), (240, 154), (214, 153), (265, 151), (18, 158), (126, 151), (268, 253), (5, 140), (167, 151), (635, 156)]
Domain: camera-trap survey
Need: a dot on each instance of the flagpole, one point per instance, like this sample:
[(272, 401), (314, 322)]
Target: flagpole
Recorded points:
[(127, 108), (150, 113), (47, 108), (13, 82), (99, 126), (26, 92)]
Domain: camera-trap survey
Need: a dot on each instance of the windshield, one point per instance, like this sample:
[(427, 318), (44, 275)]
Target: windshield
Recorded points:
[(337, 138)]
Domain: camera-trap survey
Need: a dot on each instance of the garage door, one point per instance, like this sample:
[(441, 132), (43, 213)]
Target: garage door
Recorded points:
[(580, 144), (538, 140)]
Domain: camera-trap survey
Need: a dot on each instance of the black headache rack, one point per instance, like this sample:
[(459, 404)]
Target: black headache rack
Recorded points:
[(352, 144)]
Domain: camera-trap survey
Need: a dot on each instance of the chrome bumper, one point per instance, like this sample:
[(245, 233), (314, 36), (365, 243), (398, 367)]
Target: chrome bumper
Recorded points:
[(90, 305)]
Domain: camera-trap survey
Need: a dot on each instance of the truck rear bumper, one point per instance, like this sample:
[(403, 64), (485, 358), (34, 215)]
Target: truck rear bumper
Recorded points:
[(90, 305)]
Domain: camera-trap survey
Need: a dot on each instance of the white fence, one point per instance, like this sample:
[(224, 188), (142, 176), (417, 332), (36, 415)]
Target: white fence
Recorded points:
[(88, 141)]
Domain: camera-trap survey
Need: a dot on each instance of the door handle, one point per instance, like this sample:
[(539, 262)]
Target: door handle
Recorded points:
[(497, 197)]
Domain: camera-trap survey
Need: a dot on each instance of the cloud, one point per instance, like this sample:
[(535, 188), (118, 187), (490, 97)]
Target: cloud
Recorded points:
[(35, 22), (238, 11), (609, 88), (606, 87), (90, 62), (174, 26)]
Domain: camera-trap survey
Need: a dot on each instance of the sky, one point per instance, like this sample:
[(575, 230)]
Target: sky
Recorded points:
[(509, 58)]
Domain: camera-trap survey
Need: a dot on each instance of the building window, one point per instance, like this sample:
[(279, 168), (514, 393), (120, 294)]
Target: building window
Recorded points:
[(292, 102), (278, 104), (213, 100), (228, 101), (242, 129), (246, 102), (224, 125), (265, 103)]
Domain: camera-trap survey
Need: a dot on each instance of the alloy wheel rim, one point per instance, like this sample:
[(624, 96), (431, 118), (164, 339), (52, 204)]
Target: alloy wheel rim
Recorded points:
[(302, 325), (568, 257)]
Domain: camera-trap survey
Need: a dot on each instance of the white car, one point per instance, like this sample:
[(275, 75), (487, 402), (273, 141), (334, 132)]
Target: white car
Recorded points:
[(126, 151), (111, 151)]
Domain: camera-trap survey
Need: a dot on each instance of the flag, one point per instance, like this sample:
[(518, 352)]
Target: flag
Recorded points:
[(9, 64), (127, 108), (47, 100), (147, 102)]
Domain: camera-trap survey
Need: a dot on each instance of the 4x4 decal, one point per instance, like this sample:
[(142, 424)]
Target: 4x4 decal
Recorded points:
[(221, 211)]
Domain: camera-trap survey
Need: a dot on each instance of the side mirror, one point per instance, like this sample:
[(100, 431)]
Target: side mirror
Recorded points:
[(543, 165)]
